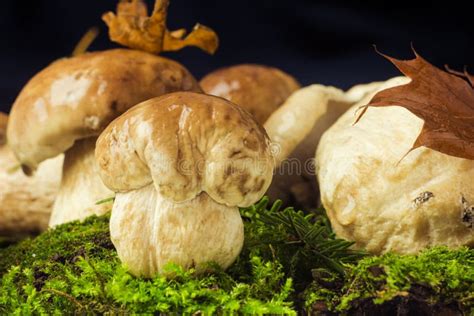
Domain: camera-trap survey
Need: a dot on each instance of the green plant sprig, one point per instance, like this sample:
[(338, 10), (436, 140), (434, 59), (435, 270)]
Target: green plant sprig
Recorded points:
[(310, 235)]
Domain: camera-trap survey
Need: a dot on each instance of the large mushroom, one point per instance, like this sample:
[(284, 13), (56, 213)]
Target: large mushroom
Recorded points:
[(384, 199), (181, 165), (25, 202), (257, 88), (295, 129), (66, 106)]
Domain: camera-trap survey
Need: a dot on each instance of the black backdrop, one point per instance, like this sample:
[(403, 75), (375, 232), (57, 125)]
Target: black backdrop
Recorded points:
[(318, 42)]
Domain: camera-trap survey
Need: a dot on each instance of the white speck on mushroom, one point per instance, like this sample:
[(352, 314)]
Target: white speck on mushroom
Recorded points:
[(92, 122), (69, 90), (184, 116), (102, 87), (40, 108), (223, 89)]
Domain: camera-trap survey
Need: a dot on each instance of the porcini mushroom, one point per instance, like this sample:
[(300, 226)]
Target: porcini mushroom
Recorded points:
[(181, 165), (258, 89), (295, 129), (385, 197), (65, 107), (25, 202)]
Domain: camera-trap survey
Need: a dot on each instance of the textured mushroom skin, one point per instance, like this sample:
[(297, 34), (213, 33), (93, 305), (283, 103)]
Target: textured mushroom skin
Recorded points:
[(382, 200), (150, 232), (25, 202), (187, 143), (182, 164), (77, 97), (295, 129), (258, 89)]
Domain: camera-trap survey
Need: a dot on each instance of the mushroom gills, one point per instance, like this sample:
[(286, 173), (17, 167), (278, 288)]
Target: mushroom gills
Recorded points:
[(81, 186), (150, 232)]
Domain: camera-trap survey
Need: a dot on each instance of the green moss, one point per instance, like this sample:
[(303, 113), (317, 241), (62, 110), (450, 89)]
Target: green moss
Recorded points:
[(74, 268), (291, 262), (436, 279)]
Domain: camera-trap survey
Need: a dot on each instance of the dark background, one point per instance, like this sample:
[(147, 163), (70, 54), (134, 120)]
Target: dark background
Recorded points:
[(317, 42)]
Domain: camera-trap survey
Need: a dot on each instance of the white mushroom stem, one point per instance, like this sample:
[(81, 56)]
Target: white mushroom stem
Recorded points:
[(26, 202), (295, 130), (150, 232), (81, 186), (296, 127)]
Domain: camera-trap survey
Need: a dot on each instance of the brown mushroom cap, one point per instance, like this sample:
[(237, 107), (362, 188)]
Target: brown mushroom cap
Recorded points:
[(187, 143), (77, 97), (258, 89)]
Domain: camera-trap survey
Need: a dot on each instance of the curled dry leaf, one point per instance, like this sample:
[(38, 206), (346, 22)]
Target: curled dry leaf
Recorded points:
[(445, 101), (132, 27)]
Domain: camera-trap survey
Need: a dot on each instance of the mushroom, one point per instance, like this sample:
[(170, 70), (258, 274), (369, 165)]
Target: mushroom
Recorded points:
[(65, 107), (181, 165), (258, 89), (385, 200), (295, 129), (25, 202)]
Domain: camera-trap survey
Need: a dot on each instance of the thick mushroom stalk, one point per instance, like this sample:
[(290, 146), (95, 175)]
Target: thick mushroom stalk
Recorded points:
[(295, 129), (181, 165), (67, 105), (189, 233), (81, 186), (25, 202)]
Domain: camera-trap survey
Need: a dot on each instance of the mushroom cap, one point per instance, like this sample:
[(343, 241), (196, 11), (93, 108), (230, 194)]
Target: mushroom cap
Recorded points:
[(380, 197), (258, 89), (187, 143), (77, 97)]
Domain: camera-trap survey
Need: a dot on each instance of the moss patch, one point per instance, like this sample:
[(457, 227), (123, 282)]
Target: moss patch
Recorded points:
[(436, 281), (291, 263), (74, 268)]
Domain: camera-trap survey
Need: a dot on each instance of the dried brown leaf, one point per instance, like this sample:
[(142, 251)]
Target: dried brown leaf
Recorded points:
[(132, 27), (444, 101)]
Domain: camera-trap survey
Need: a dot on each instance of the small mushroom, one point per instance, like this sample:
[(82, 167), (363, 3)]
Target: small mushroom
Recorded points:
[(258, 89), (67, 105), (384, 199), (295, 129), (181, 165), (25, 202)]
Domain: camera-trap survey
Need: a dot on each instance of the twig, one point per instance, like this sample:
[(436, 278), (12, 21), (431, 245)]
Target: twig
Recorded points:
[(65, 295)]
